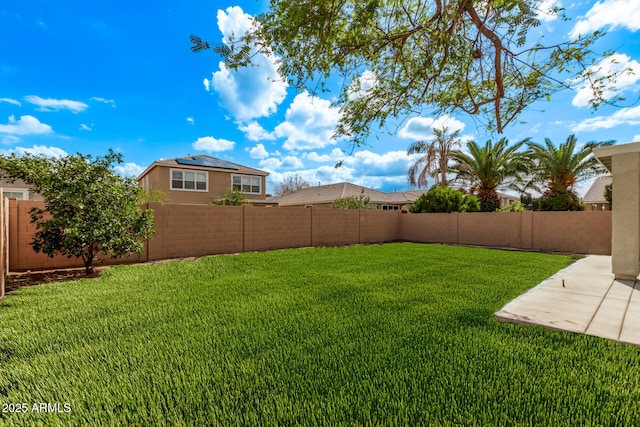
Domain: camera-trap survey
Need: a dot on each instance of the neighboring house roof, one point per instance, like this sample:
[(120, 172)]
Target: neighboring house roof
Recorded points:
[(330, 192), (595, 193), (202, 162)]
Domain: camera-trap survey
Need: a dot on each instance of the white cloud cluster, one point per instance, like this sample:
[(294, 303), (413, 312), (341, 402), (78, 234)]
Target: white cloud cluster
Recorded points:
[(545, 10), (258, 152), (362, 85), (104, 101), (25, 125), (609, 14), (287, 162), (310, 123), (37, 150), (421, 128), (624, 116), (616, 64), (255, 132), (50, 104), (129, 169), (211, 144), (249, 92), (11, 101)]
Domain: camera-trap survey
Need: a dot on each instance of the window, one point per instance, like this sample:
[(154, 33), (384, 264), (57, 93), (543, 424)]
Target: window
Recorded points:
[(390, 207), (188, 180), (15, 193), (247, 184)]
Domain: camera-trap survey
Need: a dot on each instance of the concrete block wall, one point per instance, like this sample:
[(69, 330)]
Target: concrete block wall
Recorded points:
[(334, 227), (578, 232), (198, 230), (195, 230), (276, 228)]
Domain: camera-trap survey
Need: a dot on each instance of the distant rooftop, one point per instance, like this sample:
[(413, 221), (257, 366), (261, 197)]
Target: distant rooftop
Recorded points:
[(330, 192)]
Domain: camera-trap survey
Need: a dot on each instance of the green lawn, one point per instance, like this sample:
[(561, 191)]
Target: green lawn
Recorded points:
[(397, 334)]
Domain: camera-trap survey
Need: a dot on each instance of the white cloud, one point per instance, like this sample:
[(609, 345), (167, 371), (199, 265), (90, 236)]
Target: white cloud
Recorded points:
[(191, 120), (624, 116), (610, 14), (310, 123), (104, 101), (420, 128), (392, 163), (335, 155), (258, 152), (50, 104), (209, 143), (37, 150), (207, 84), (249, 92), (616, 64), (366, 168), (362, 85), (636, 138), (11, 101), (287, 162), (85, 127), (26, 125), (129, 169), (545, 10), (255, 132)]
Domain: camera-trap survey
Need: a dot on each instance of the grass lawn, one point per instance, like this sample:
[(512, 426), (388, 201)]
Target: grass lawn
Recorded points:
[(397, 334)]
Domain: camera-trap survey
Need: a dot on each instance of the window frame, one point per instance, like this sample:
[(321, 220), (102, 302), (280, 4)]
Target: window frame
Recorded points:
[(24, 191), (195, 181), (250, 184)]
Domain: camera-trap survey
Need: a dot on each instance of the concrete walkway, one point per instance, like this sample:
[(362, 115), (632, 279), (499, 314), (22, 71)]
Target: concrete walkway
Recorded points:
[(582, 298)]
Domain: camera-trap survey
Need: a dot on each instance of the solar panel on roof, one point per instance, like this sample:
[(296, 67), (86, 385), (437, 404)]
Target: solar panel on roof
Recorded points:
[(209, 162)]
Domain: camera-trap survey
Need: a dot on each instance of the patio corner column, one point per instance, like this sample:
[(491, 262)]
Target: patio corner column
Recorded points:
[(625, 248), (623, 161)]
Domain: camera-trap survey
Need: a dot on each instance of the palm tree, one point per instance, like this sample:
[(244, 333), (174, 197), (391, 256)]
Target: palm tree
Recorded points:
[(435, 160), (559, 168), (486, 168)]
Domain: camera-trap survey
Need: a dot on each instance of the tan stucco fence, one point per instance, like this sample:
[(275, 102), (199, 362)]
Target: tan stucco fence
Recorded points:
[(198, 230)]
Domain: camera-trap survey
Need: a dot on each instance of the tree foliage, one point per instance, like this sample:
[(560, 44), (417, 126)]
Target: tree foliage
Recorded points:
[(486, 168), (89, 209), (232, 197), (558, 169), (290, 184), (434, 161), (446, 55), (354, 202)]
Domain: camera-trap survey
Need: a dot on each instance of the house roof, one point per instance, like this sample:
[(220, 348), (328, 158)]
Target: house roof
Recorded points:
[(204, 162), (330, 192), (595, 193)]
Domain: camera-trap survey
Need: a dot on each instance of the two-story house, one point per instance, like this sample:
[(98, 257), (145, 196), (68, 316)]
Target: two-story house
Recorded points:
[(202, 179)]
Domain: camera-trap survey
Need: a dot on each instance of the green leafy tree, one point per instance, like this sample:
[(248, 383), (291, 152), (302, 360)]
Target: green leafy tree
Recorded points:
[(231, 198), (512, 207), (486, 168), (89, 209), (354, 202), (434, 161), (154, 196), (439, 199), (445, 55), (558, 169)]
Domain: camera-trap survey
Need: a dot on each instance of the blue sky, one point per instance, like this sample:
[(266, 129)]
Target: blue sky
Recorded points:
[(115, 74)]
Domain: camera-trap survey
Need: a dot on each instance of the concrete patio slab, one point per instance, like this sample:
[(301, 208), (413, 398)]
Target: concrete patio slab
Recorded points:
[(582, 298)]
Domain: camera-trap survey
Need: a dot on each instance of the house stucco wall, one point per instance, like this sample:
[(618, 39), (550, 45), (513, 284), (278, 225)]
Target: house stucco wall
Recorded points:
[(159, 178)]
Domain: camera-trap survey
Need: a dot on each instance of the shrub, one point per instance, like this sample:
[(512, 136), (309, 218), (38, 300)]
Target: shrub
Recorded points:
[(470, 203), (512, 207), (441, 199), (353, 202), (563, 201), (231, 198)]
